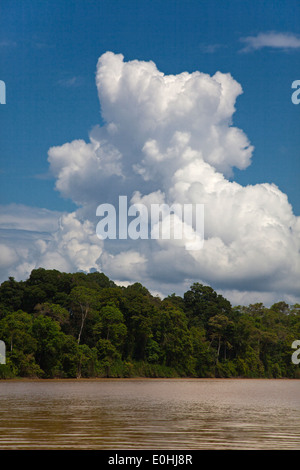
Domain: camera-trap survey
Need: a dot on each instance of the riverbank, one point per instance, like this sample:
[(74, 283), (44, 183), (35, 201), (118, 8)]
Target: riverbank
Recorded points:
[(127, 332), (132, 379)]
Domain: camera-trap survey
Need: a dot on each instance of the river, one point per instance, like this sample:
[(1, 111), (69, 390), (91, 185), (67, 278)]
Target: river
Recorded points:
[(177, 414)]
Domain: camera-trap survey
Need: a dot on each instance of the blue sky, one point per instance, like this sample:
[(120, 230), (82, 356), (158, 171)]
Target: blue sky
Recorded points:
[(48, 57)]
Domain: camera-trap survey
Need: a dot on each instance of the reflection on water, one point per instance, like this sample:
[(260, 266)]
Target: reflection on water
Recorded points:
[(150, 414)]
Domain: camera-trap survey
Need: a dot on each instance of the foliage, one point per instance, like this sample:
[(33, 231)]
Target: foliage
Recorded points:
[(83, 325)]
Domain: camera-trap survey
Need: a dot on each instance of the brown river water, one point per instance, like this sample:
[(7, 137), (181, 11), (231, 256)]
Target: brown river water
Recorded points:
[(177, 414)]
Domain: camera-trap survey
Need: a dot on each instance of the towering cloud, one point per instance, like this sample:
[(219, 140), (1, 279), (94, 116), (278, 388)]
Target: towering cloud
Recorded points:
[(171, 139)]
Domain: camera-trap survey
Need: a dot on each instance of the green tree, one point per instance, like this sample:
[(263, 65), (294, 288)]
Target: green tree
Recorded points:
[(139, 309), (87, 300), (16, 332), (173, 336), (54, 311), (202, 302), (47, 334), (87, 361), (46, 286), (107, 354), (11, 295), (219, 329), (203, 355), (113, 326)]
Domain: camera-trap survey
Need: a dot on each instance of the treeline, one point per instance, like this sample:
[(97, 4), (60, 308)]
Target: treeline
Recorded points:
[(67, 325)]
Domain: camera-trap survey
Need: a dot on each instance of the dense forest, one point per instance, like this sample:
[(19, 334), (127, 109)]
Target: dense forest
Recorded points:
[(71, 325)]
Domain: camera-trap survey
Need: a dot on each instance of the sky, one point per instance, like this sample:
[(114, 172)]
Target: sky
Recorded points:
[(170, 101)]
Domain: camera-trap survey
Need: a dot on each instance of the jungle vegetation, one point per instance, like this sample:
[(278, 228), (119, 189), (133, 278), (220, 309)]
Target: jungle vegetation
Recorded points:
[(71, 325)]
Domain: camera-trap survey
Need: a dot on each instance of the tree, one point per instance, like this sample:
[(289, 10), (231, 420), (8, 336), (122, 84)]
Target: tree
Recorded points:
[(54, 311), (48, 336), (16, 331), (202, 353), (107, 354), (218, 327), (11, 295), (46, 286), (139, 309), (202, 302), (71, 325), (173, 336), (87, 300), (87, 361), (113, 326)]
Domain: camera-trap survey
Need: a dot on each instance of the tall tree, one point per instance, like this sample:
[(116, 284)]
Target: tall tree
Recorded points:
[(218, 329), (87, 300)]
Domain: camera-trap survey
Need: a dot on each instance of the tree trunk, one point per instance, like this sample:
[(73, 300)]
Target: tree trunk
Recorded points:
[(219, 347), (83, 317)]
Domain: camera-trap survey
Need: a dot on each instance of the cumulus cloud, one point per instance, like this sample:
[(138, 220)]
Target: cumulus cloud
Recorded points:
[(170, 139), (274, 40), (34, 237)]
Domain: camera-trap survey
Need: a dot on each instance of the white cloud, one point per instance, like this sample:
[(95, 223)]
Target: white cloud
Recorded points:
[(124, 265), (143, 106), (33, 237), (21, 217), (82, 170), (8, 256), (274, 40), (168, 139), (74, 246)]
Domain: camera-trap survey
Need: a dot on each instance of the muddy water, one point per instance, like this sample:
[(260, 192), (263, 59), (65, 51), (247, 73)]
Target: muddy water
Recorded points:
[(150, 414)]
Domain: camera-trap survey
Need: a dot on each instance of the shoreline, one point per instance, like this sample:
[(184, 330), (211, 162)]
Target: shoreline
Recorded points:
[(131, 379)]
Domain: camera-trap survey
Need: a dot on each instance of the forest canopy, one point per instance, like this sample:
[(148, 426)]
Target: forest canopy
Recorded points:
[(72, 325)]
